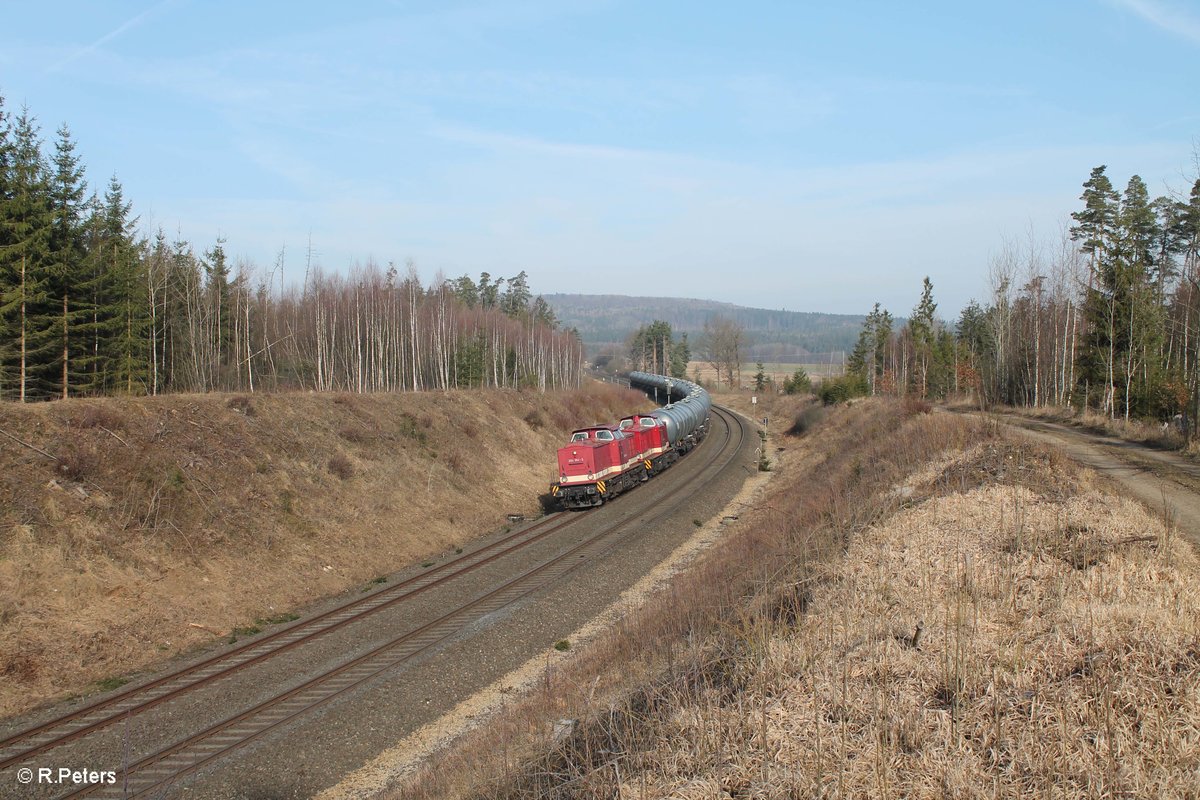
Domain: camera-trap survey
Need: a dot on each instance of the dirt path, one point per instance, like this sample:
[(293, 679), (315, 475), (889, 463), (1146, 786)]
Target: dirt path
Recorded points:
[(1165, 482)]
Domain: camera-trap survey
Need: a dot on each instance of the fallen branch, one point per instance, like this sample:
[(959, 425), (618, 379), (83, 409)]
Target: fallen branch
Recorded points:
[(27, 444), (1136, 539), (118, 438)]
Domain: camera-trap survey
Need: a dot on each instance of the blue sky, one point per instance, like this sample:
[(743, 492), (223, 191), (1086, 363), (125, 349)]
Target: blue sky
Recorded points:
[(814, 157)]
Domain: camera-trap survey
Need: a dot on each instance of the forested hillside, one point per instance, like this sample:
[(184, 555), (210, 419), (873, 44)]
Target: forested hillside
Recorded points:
[(88, 307), (1105, 318), (607, 321)]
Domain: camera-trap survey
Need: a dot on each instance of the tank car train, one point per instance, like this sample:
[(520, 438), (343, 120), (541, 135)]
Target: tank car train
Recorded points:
[(602, 461)]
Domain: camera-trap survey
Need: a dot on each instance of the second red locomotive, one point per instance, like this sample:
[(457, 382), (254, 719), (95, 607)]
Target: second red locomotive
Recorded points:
[(602, 461)]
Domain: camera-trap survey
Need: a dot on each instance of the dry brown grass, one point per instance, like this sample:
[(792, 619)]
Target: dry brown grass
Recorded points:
[(1010, 632), (1037, 673), (842, 470), (124, 524)]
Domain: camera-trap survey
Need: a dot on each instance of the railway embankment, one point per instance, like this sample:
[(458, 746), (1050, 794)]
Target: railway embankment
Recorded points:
[(919, 605), (134, 530)]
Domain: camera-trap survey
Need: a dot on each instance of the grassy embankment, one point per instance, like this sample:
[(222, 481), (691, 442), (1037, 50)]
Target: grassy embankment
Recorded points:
[(920, 607), (134, 529)]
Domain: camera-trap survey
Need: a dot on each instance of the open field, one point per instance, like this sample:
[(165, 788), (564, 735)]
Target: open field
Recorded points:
[(775, 372)]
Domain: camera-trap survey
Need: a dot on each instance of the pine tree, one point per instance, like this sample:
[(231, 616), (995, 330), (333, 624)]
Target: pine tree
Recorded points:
[(799, 383), (856, 363), (515, 301), (11, 292), (681, 354), (1096, 223), (220, 306), (977, 342), (67, 255), (1142, 322), (1189, 247), (119, 314), (489, 293), (1096, 229), (542, 314), (465, 289), (24, 256), (868, 359), (921, 329), (883, 336), (1122, 343), (1171, 217), (1189, 236)]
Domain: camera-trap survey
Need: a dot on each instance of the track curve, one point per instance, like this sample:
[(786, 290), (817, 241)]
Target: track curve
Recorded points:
[(155, 771)]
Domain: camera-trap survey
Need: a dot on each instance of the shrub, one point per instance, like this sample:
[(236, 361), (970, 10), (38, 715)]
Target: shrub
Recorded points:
[(340, 466), (841, 389), (356, 434), (799, 383), (77, 462), (915, 405), (410, 428)]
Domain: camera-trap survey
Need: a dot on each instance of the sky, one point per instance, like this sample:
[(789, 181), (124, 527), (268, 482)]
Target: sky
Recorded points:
[(796, 155)]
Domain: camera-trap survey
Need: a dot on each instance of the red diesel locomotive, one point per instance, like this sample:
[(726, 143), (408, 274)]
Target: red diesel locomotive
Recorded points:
[(602, 461)]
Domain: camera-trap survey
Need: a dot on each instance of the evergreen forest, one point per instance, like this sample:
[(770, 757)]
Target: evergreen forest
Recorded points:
[(88, 307), (1103, 319)]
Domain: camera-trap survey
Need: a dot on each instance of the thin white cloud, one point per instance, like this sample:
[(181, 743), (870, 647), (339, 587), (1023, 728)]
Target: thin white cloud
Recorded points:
[(1166, 16), (113, 34), (530, 144)]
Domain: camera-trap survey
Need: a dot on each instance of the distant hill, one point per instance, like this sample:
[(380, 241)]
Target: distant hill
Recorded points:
[(606, 321)]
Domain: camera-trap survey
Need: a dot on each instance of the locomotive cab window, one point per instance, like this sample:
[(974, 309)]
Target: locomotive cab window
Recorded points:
[(579, 436), (605, 436)]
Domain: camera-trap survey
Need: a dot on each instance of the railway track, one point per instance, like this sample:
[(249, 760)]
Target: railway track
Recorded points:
[(157, 771), (142, 697)]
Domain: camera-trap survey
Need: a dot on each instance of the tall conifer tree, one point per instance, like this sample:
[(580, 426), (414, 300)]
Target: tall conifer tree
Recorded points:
[(25, 225), (67, 268)]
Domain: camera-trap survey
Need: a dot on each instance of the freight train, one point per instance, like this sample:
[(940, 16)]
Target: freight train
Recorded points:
[(602, 461)]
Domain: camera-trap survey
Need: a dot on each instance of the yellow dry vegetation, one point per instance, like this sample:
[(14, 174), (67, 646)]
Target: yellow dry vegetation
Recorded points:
[(132, 530), (921, 606), (992, 643)]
